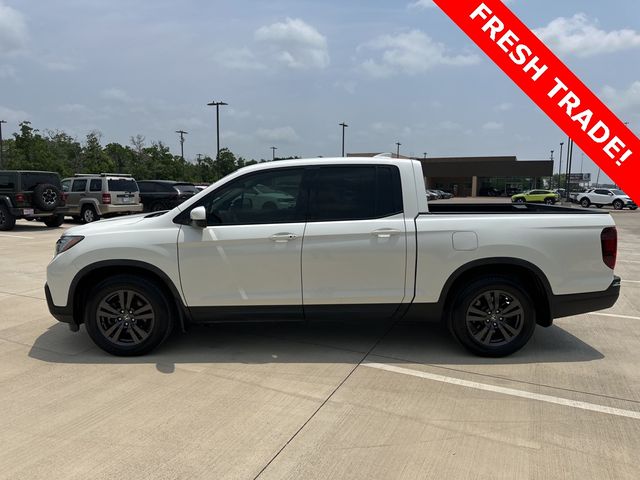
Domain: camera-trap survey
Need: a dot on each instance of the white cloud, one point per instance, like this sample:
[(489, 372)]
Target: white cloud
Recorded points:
[(623, 99), (13, 116), (411, 53), (430, 4), (493, 126), (295, 44), (503, 107), (73, 108), (279, 134), (450, 125), (117, 95), (582, 37), (238, 59), (13, 30)]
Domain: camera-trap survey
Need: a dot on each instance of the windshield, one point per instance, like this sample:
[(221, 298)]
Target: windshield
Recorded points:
[(122, 185), (618, 192)]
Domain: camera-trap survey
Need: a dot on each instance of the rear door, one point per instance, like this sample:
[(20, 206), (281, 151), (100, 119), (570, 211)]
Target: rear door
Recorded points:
[(355, 243), (123, 190)]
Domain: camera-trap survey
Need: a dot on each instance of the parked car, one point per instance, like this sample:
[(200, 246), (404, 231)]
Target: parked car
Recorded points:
[(489, 192), (201, 187), (443, 194), (606, 196), (157, 195), (536, 196), (32, 195), (92, 196), (357, 238), (431, 195)]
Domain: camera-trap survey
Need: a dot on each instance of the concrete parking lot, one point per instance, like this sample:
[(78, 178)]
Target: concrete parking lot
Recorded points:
[(334, 401)]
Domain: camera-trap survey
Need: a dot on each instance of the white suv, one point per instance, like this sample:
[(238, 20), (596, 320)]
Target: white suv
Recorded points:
[(605, 196)]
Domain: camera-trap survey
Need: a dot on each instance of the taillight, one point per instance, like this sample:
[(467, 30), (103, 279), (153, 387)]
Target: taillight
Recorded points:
[(609, 242), (106, 198), (20, 197)]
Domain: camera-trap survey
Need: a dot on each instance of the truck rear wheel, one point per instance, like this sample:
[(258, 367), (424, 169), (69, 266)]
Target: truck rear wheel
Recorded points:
[(54, 221), (126, 315), (585, 202), (493, 316), (7, 221), (89, 214)]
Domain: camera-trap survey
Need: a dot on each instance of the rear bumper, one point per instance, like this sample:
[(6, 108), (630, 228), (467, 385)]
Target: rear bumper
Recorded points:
[(24, 212), (62, 314), (577, 303), (110, 209)]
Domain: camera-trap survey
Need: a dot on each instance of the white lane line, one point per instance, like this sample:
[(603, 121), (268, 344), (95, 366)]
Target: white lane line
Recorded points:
[(507, 391), (614, 315), (15, 236)]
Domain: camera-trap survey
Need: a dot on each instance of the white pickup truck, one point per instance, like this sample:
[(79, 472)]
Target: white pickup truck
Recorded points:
[(358, 240)]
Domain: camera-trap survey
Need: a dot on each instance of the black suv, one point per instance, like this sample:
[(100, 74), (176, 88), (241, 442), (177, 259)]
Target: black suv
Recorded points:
[(158, 195), (31, 195)]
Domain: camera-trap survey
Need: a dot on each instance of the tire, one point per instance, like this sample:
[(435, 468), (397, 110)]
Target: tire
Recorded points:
[(484, 333), (88, 214), (520, 200), (550, 201), (158, 207), (129, 333), (54, 221), (7, 221), (633, 208), (46, 197), (585, 202), (618, 204)]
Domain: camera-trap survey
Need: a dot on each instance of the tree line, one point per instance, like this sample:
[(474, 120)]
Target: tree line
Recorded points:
[(56, 151)]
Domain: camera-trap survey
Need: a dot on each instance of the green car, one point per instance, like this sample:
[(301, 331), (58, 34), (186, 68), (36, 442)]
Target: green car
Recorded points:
[(537, 196)]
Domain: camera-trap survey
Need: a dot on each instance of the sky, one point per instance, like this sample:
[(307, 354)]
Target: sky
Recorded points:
[(291, 71)]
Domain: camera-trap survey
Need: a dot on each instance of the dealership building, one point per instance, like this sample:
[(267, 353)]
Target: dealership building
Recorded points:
[(481, 176)]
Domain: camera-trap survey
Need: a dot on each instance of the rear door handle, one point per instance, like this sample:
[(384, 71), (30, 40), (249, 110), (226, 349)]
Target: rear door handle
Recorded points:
[(386, 232), (283, 237)]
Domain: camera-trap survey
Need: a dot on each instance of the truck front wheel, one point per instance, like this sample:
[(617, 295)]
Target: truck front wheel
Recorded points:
[(127, 315), (493, 316)]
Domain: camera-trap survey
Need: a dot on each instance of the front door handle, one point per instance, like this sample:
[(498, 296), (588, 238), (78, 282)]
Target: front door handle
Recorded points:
[(386, 232), (283, 237)]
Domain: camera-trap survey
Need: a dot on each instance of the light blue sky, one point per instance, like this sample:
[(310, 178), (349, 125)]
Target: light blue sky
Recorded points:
[(292, 70)]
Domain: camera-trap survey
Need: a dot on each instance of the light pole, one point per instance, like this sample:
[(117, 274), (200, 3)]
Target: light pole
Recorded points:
[(552, 163), (569, 161), (1, 122), (217, 105), (343, 125), (182, 134), (560, 166), (273, 152), (398, 149)]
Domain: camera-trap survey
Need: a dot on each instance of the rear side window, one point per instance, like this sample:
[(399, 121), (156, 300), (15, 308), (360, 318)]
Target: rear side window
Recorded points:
[(79, 185), (146, 187), (354, 193), (185, 188), (95, 185), (123, 185), (6, 181), (31, 180)]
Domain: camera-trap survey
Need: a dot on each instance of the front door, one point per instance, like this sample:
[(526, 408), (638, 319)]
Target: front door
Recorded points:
[(248, 257), (355, 244)]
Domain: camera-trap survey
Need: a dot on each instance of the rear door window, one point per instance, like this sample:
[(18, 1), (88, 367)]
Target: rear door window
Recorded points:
[(122, 185), (354, 193), (6, 181), (95, 185)]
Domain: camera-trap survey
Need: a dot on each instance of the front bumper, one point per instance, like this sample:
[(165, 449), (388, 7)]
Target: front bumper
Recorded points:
[(62, 314), (577, 303)]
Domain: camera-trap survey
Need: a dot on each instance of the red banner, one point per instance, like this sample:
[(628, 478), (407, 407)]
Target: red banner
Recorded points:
[(552, 86)]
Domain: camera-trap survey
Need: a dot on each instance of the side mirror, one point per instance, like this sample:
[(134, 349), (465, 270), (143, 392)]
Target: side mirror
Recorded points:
[(611, 194), (198, 217)]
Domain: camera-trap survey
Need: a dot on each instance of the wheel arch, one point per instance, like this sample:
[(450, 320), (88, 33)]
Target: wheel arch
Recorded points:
[(87, 278), (534, 280)]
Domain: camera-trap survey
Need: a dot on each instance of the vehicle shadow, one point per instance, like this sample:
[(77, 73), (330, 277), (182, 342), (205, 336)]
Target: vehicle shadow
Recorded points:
[(319, 343)]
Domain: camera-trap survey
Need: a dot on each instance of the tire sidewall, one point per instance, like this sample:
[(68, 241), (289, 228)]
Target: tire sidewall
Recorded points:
[(585, 202), (86, 209), (618, 204), (162, 320), (39, 200), (7, 221), (458, 316)]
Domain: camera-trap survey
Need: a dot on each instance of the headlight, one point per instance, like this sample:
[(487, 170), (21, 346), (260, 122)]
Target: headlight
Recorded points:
[(65, 242)]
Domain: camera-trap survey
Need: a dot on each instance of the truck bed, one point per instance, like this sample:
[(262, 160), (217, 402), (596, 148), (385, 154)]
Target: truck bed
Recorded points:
[(506, 208)]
